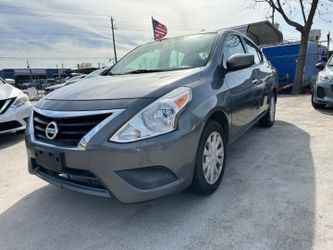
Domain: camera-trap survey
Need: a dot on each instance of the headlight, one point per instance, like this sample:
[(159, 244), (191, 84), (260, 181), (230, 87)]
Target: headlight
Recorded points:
[(324, 77), (20, 100), (156, 119)]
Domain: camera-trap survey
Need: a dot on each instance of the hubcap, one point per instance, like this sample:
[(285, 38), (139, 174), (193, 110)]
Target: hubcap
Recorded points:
[(213, 157), (272, 109)]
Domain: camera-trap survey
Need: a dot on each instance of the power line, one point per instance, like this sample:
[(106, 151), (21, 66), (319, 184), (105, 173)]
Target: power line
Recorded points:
[(93, 35), (48, 15), (52, 11), (83, 16), (51, 58), (126, 29)]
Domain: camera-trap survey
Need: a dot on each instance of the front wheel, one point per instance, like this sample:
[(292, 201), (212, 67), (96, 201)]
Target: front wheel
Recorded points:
[(210, 160), (268, 119)]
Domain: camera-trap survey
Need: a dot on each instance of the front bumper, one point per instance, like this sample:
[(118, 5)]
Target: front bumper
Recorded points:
[(132, 172), (15, 119), (323, 93)]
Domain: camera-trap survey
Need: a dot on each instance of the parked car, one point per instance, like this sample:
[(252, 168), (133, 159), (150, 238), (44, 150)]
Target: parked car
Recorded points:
[(48, 82), (26, 85), (95, 73), (322, 91), (14, 108), (60, 85), (10, 81), (159, 123), (38, 84)]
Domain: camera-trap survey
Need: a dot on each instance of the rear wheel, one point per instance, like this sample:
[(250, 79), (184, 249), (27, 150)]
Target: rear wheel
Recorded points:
[(316, 105), (210, 160), (268, 120)]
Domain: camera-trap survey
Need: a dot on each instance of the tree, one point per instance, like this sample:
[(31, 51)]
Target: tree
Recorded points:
[(308, 9)]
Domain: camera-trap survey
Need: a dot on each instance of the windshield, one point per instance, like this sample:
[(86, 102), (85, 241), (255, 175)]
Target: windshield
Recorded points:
[(170, 54), (2, 81)]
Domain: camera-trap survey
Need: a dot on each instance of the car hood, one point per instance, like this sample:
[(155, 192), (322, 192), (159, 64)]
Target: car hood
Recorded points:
[(8, 91), (132, 86)]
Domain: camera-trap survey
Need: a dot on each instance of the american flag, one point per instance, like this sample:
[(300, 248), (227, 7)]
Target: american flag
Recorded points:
[(159, 29)]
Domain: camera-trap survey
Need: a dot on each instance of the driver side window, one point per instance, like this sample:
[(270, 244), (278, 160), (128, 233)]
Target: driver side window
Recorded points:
[(253, 51), (232, 45)]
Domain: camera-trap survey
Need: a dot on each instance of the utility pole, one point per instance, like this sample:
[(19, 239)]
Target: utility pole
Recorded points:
[(30, 72), (113, 39), (328, 43), (58, 71)]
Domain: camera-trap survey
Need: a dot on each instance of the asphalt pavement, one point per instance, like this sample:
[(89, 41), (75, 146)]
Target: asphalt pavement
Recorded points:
[(277, 193)]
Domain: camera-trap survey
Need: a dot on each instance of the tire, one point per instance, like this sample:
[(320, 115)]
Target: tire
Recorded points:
[(268, 119), (317, 105), (206, 182)]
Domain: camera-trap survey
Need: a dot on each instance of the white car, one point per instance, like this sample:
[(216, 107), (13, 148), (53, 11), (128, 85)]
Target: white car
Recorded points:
[(15, 108), (60, 85)]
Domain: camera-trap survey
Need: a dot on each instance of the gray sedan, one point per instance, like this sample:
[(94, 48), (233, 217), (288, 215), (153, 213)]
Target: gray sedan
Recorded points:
[(159, 123), (322, 92)]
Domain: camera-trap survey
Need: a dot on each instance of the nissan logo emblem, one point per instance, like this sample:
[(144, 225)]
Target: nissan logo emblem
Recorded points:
[(51, 130)]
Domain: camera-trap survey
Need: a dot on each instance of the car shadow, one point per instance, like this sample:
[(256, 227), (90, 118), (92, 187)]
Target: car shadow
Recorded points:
[(327, 111), (266, 201), (7, 140)]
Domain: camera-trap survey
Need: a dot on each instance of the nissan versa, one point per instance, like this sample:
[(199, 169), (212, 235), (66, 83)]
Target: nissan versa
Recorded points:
[(159, 123)]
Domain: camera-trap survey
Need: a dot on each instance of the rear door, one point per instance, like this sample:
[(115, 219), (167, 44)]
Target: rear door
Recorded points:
[(241, 87)]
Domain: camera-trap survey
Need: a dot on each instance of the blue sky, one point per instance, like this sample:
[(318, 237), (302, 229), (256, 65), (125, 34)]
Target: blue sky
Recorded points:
[(64, 32)]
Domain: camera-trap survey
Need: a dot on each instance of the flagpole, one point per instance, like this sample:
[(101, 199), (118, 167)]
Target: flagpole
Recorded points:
[(152, 23)]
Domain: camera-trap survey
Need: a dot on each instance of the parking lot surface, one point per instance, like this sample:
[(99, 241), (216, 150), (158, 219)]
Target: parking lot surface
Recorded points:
[(277, 193)]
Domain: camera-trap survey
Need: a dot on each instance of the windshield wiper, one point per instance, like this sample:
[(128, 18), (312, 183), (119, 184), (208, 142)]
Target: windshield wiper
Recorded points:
[(139, 71)]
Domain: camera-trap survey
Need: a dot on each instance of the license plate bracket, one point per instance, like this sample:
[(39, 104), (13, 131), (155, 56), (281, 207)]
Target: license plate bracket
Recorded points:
[(49, 160)]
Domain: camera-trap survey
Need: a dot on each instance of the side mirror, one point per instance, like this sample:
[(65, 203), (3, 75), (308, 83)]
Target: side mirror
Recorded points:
[(10, 81), (240, 61), (320, 66)]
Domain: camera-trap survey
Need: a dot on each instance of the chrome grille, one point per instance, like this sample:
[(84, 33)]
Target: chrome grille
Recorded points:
[(9, 125), (70, 129)]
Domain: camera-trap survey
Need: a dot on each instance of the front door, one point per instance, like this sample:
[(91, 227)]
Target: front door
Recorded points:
[(263, 78), (241, 88)]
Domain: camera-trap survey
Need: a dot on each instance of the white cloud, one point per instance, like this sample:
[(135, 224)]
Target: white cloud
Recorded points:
[(61, 34)]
